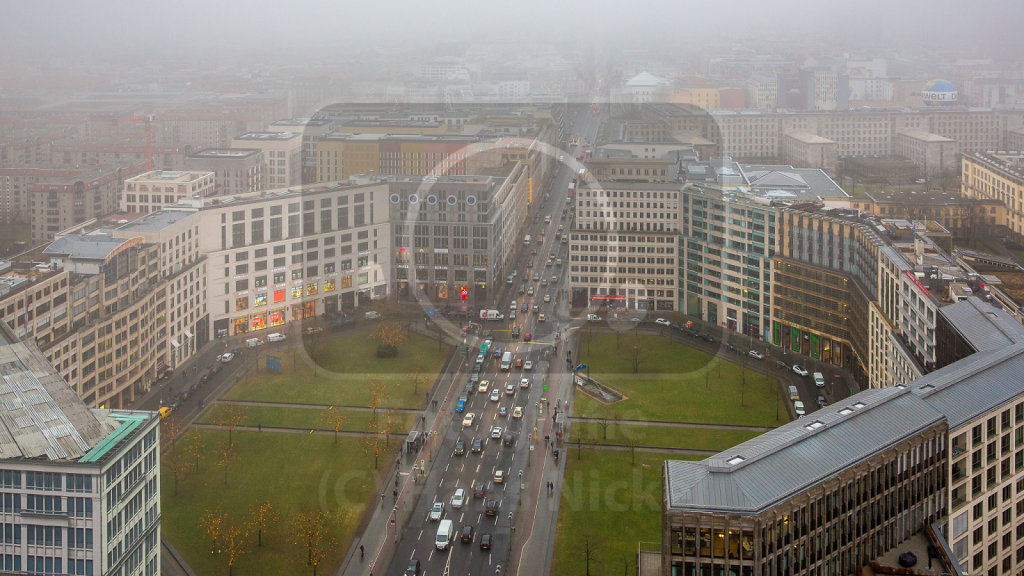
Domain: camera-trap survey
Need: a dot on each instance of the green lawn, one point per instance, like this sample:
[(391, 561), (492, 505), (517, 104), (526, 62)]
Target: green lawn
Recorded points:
[(661, 436), (309, 418), (675, 383), (295, 472), (340, 370), (613, 503)]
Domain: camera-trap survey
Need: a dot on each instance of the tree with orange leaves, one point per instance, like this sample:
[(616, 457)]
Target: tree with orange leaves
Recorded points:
[(390, 335), (312, 531), (335, 419), (231, 417), (261, 517)]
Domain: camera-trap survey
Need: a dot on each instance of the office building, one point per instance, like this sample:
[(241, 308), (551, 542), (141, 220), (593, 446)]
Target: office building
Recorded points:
[(153, 190), (452, 232), (235, 170), (80, 487), (312, 131), (852, 485), (997, 176), (284, 255), (282, 156), (56, 204), (933, 153)]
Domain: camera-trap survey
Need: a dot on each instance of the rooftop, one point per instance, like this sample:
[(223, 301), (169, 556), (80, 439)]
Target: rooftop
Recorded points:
[(809, 138), (923, 135), (264, 136), (84, 246), (300, 122), (159, 220), (170, 176), (226, 153)]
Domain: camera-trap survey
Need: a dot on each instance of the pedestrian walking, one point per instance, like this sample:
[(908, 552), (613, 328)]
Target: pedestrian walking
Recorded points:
[(381, 499), (361, 553), (394, 494)]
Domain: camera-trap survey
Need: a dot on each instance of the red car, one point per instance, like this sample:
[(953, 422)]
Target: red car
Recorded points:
[(527, 337), (519, 361)]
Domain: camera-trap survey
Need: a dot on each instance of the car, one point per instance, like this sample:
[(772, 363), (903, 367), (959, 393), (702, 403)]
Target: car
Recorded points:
[(528, 365), (460, 406), (527, 337), (414, 568), (459, 498), (508, 439), (593, 318), (799, 370), (554, 279), (460, 447), (525, 308), (756, 355), (502, 411), (529, 291), (371, 315), (495, 394), (547, 298), (512, 315), (782, 364), (510, 388), (663, 322), (482, 387), (436, 511), (536, 308), (491, 508), (499, 476), (496, 432), (478, 445), (534, 252), (485, 541), (549, 263), (821, 401), (517, 412), (536, 276), (467, 534), (475, 377), (522, 290), (542, 318), (819, 380), (204, 379), (467, 420), (226, 357), (544, 282), (524, 383), (275, 337), (798, 407), (732, 348), (519, 362), (706, 337), (479, 490)]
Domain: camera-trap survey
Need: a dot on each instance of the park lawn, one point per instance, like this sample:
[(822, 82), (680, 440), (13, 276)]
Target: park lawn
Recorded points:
[(344, 369), (613, 502), (676, 383), (661, 436), (294, 472), (306, 418)]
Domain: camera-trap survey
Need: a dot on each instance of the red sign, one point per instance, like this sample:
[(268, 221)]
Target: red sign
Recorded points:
[(464, 293), (917, 282)]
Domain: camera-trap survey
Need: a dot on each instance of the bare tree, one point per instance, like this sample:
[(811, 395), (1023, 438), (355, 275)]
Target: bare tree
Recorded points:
[(227, 456), (374, 442), (632, 450), (589, 550), (603, 423), (261, 517), (175, 461), (335, 419), (212, 522), (194, 447), (231, 417), (170, 428), (312, 531)]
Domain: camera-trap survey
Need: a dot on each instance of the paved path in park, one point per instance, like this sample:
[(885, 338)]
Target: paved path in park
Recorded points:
[(270, 404)]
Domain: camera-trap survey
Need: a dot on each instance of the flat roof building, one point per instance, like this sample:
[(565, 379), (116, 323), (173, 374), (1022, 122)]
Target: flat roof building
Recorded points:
[(153, 190), (235, 170)]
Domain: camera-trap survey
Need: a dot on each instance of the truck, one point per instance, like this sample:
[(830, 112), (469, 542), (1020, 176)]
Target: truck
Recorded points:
[(491, 315), (506, 362), (526, 240), (572, 189)]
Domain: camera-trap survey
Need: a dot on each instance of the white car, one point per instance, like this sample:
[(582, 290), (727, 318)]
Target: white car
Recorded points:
[(755, 354), (663, 322), (468, 419), (798, 407), (483, 386), (499, 476), (495, 394), (459, 498), (528, 365), (226, 357), (496, 432), (436, 511), (547, 297), (593, 318), (518, 412), (524, 383), (799, 370)]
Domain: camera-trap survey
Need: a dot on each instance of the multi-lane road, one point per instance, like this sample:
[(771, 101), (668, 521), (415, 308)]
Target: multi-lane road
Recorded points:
[(518, 449)]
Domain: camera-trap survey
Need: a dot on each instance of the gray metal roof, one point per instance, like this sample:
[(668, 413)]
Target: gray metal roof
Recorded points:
[(86, 246), (40, 415), (156, 221), (798, 455), (984, 326)]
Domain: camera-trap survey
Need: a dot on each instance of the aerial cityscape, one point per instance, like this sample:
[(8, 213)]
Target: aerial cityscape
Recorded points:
[(571, 289)]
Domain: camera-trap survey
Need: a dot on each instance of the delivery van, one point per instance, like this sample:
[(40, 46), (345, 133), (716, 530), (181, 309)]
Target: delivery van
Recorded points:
[(445, 533)]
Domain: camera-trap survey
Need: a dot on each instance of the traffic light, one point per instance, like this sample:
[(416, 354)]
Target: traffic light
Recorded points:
[(464, 292)]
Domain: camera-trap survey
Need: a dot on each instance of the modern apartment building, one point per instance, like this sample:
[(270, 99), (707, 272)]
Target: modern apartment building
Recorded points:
[(728, 226), (285, 255), (235, 170), (79, 488), (850, 484), (282, 156), (452, 232), (153, 190), (312, 131), (16, 185), (997, 176)]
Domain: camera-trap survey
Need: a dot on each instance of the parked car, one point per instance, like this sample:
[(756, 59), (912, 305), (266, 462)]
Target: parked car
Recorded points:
[(226, 357), (276, 337), (782, 364), (819, 380), (798, 407), (663, 322), (800, 370), (436, 511), (821, 401), (756, 355), (593, 318)]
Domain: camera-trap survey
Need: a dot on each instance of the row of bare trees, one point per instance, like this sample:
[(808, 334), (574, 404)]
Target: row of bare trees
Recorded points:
[(231, 538)]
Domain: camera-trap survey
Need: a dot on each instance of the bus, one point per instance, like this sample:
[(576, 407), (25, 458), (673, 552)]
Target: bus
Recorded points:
[(572, 189), (506, 361)]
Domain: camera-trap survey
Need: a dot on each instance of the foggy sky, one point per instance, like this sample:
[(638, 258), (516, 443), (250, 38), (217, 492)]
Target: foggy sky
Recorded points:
[(188, 27)]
